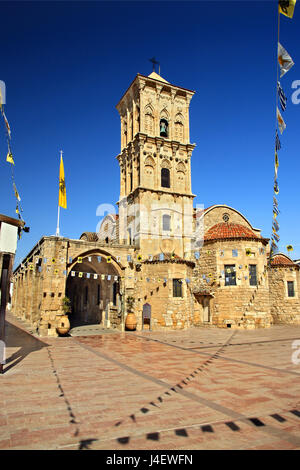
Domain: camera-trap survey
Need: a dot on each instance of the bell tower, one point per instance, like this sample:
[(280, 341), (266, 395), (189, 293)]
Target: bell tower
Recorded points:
[(155, 165)]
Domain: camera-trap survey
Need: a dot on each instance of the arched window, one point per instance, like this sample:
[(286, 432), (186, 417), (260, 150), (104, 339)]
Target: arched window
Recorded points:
[(163, 128), (165, 178)]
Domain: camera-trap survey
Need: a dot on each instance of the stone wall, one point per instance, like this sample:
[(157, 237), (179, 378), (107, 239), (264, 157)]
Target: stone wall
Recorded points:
[(40, 282), (40, 285), (241, 305), (284, 309), (167, 312)]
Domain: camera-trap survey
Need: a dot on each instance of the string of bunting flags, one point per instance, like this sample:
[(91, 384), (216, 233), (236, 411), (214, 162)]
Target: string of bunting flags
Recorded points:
[(10, 160), (208, 278), (284, 64), (49, 265)]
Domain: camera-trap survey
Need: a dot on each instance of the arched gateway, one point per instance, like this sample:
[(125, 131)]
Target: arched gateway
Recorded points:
[(93, 287)]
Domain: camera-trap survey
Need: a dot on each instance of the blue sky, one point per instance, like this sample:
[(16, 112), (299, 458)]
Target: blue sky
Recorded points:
[(67, 64)]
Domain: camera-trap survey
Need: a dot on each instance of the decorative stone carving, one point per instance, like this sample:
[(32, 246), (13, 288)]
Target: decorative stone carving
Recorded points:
[(165, 164)]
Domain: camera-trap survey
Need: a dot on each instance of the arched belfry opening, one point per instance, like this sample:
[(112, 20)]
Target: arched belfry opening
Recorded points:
[(163, 128), (93, 287)]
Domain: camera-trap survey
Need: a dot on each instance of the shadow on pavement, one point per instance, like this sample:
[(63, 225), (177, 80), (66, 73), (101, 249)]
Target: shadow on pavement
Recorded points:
[(17, 338)]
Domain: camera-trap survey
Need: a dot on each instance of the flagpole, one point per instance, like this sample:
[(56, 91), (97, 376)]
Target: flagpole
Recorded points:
[(58, 211), (276, 119), (57, 228), (277, 78)]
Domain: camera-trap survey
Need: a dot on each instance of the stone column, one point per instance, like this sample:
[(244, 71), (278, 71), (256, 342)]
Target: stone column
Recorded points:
[(142, 105), (134, 127), (172, 116), (187, 126)]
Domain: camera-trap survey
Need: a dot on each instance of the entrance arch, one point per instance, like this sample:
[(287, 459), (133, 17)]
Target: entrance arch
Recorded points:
[(93, 287)]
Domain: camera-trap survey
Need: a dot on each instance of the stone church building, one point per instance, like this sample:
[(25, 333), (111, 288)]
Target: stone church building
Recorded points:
[(183, 265)]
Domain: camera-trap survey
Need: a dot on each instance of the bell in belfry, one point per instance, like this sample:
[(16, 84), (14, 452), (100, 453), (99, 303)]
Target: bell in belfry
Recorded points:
[(163, 128)]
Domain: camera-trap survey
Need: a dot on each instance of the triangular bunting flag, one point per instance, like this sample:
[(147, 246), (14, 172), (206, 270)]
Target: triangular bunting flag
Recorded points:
[(284, 59), (16, 192), (282, 97), (281, 123), (9, 158)]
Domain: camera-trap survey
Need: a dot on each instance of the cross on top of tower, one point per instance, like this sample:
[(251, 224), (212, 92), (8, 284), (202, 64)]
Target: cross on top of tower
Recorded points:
[(154, 62)]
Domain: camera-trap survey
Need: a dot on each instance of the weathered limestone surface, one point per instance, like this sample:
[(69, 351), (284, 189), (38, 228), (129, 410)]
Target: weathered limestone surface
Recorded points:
[(284, 309)]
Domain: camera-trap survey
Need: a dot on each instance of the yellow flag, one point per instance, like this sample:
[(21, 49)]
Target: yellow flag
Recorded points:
[(286, 7), (9, 158), (62, 199), (16, 192), (276, 164)]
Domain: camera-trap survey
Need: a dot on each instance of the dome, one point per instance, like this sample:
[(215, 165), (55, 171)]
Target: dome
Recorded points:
[(282, 260), (230, 230), (89, 237)]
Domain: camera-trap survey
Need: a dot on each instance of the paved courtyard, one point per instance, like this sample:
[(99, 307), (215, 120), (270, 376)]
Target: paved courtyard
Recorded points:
[(204, 388)]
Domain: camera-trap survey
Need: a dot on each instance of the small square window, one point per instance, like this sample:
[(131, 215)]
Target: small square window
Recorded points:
[(234, 253)]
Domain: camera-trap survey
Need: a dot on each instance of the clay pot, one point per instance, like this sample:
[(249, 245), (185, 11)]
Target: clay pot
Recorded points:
[(63, 325), (130, 321)]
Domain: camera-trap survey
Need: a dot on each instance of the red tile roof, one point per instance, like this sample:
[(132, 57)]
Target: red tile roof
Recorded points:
[(230, 230), (282, 260)]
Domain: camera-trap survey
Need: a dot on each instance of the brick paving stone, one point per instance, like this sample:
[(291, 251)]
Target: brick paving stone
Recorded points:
[(69, 393)]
